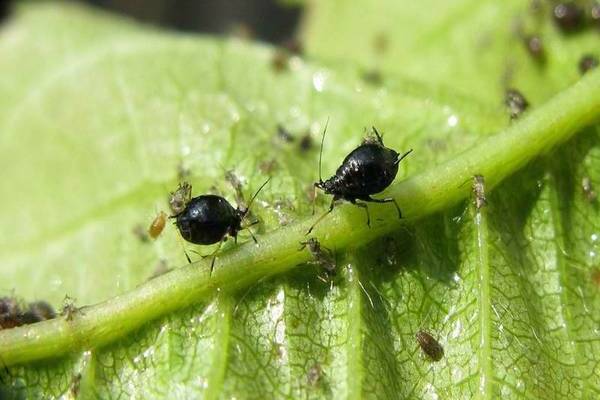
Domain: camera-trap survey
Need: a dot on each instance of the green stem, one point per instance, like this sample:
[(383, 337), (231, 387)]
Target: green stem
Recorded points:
[(419, 196)]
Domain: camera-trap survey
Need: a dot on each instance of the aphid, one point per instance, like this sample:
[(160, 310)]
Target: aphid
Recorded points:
[(479, 191), (430, 346), (38, 311), (535, 47), (179, 198), (368, 169), (10, 313), (516, 103), (322, 256), (305, 143), (588, 190), (587, 62), (157, 225), (284, 134), (209, 219), (314, 374), (568, 16), (69, 309)]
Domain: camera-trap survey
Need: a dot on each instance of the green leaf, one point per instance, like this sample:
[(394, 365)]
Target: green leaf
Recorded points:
[(99, 116)]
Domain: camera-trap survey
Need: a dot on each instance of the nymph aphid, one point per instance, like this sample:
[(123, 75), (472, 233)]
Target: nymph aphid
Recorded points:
[(430, 346), (367, 170)]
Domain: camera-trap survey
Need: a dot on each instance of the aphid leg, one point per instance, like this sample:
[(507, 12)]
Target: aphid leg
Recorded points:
[(387, 200), (252, 235), (366, 207), (322, 216), (214, 256), (249, 231)]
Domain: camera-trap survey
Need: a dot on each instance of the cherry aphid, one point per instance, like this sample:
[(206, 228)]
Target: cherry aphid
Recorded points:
[(367, 170), (210, 219)]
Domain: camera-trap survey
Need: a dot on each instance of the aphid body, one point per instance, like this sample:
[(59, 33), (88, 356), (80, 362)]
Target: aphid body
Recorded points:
[(38, 311), (367, 170), (479, 191), (430, 346), (516, 103), (208, 218), (321, 255)]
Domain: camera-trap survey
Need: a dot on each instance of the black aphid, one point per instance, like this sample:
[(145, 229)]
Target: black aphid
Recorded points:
[(284, 134), (516, 103), (569, 17), (587, 62), (430, 345), (479, 191), (367, 170), (10, 313), (209, 219), (322, 256), (38, 311)]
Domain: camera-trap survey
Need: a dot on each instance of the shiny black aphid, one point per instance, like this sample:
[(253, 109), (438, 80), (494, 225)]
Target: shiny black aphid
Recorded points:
[(208, 219), (430, 345), (516, 103), (367, 170)]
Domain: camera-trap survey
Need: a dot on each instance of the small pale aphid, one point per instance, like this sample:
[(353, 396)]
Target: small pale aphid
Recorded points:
[(322, 256), (69, 309), (515, 102), (479, 191), (314, 374), (179, 198), (588, 190), (157, 225), (430, 346)]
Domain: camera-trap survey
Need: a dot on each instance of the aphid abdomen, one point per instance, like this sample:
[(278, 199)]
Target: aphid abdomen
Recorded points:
[(206, 220)]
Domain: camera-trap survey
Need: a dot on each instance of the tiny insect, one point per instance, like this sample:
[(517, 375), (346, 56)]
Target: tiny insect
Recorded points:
[(157, 225), (430, 346), (588, 190), (515, 102), (209, 219), (10, 313), (179, 198), (587, 63), (568, 17), (38, 311), (69, 309), (305, 143), (284, 134), (479, 191), (367, 170), (322, 257), (535, 47), (314, 374)]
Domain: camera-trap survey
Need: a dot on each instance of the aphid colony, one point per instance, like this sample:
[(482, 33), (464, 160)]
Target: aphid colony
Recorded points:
[(210, 219)]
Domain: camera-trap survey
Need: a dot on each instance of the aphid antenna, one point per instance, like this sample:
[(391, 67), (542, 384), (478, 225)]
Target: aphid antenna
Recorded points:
[(402, 156), (321, 150), (244, 212), (379, 135)]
